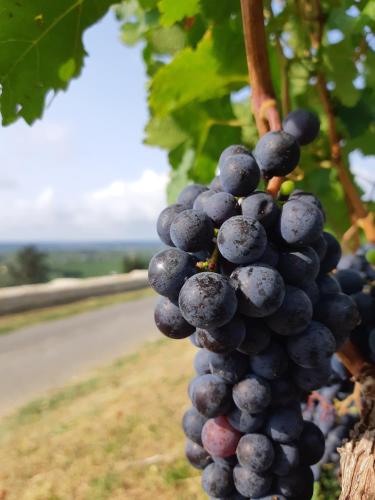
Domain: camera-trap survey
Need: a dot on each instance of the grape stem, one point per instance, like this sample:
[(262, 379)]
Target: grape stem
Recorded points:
[(263, 101)]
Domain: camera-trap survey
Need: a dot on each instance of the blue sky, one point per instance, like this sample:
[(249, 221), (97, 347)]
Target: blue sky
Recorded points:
[(82, 172)]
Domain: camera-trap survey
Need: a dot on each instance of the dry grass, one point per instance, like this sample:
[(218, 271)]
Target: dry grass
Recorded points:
[(115, 435), (11, 322)]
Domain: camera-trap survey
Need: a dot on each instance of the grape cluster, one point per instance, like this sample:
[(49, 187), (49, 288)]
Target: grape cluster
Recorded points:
[(323, 407), (356, 277), (247, 278)]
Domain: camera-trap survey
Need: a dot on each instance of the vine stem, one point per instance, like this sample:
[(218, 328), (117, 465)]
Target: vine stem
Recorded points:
[(263, 102)]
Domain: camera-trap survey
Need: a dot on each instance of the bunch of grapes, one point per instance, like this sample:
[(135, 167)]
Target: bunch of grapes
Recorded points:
[(356, 277), (247, 278)]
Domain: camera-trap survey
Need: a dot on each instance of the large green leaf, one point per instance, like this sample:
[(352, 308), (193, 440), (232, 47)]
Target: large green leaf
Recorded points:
[(41, 50), (180, 82)]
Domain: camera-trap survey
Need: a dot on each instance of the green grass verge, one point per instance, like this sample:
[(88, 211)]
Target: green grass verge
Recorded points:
[(11, 322)]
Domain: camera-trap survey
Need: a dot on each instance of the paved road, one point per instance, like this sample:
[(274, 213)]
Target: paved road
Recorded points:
[(40, 357)]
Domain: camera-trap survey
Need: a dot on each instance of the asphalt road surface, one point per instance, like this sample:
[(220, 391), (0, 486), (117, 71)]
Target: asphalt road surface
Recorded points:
[(45, 356)]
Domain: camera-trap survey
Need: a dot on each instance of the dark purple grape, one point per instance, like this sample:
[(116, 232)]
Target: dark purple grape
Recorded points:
[(350, 281), (311, 444), (207, 300), (231, 367), (285, 425), (169, 320), (294, 314), (270, 363), (277, 154), (221, 207), (328, 284), (252, 394), (165, 220), (260, 289), (257, 337), (303, 125), (217, 480), (197, 456), (239, 174), (189, 194), (333, 254), (299, 267), (241, 240), (201, 362), (261, 207), (298, 483), (313, 347), (201, 200), (168, 270), (193, 423), (192, 230), (246, 422), (250, 483), (255, 451), (287, 458), (211, 395), (301, 223)]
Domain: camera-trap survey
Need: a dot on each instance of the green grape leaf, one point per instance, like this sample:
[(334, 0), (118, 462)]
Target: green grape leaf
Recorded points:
[(180, 177), (164, 132), (180, 82), (42, 50), (174, 10)]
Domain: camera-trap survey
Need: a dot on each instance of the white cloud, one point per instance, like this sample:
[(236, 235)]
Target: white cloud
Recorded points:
[(120, 210)]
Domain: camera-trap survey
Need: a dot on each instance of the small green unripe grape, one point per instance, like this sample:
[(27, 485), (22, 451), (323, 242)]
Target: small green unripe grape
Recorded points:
[(287, 187), (370, 256)]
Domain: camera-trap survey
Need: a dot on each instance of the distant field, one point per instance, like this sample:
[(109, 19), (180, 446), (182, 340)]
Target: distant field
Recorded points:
[(114, 435), (82, 260)]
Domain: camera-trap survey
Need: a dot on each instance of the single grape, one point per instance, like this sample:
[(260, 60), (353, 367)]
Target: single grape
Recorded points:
[(313, 347), (270, 256), (287, 187), (294, 314), (197, 455), (298, 483), (307, 197), (201, 362), (231, 367), (320, 246), (338, 312), (287, 458), (219, 438), (189, 194), (333, 254), (220, 207), (299, 267), (260, 289), (235, 149), (168, 270), (270, 363), (241, 240), (311, 444), (328, 284), (207, 300), (284, 425), (261, 207), (169, 320), (246, 422), (192, 230), (211, 396), (277, 154), (250, 483), (231, 334), (255, 451), (165, 220), (312, 291), (239, 174), (366, 307), (283, 391), (257, 337), (252, 394), (192, 424), (303, 125), (301, 223), (350, 281), (311, 379), (210, 343), (201, 200), (217, 480)]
